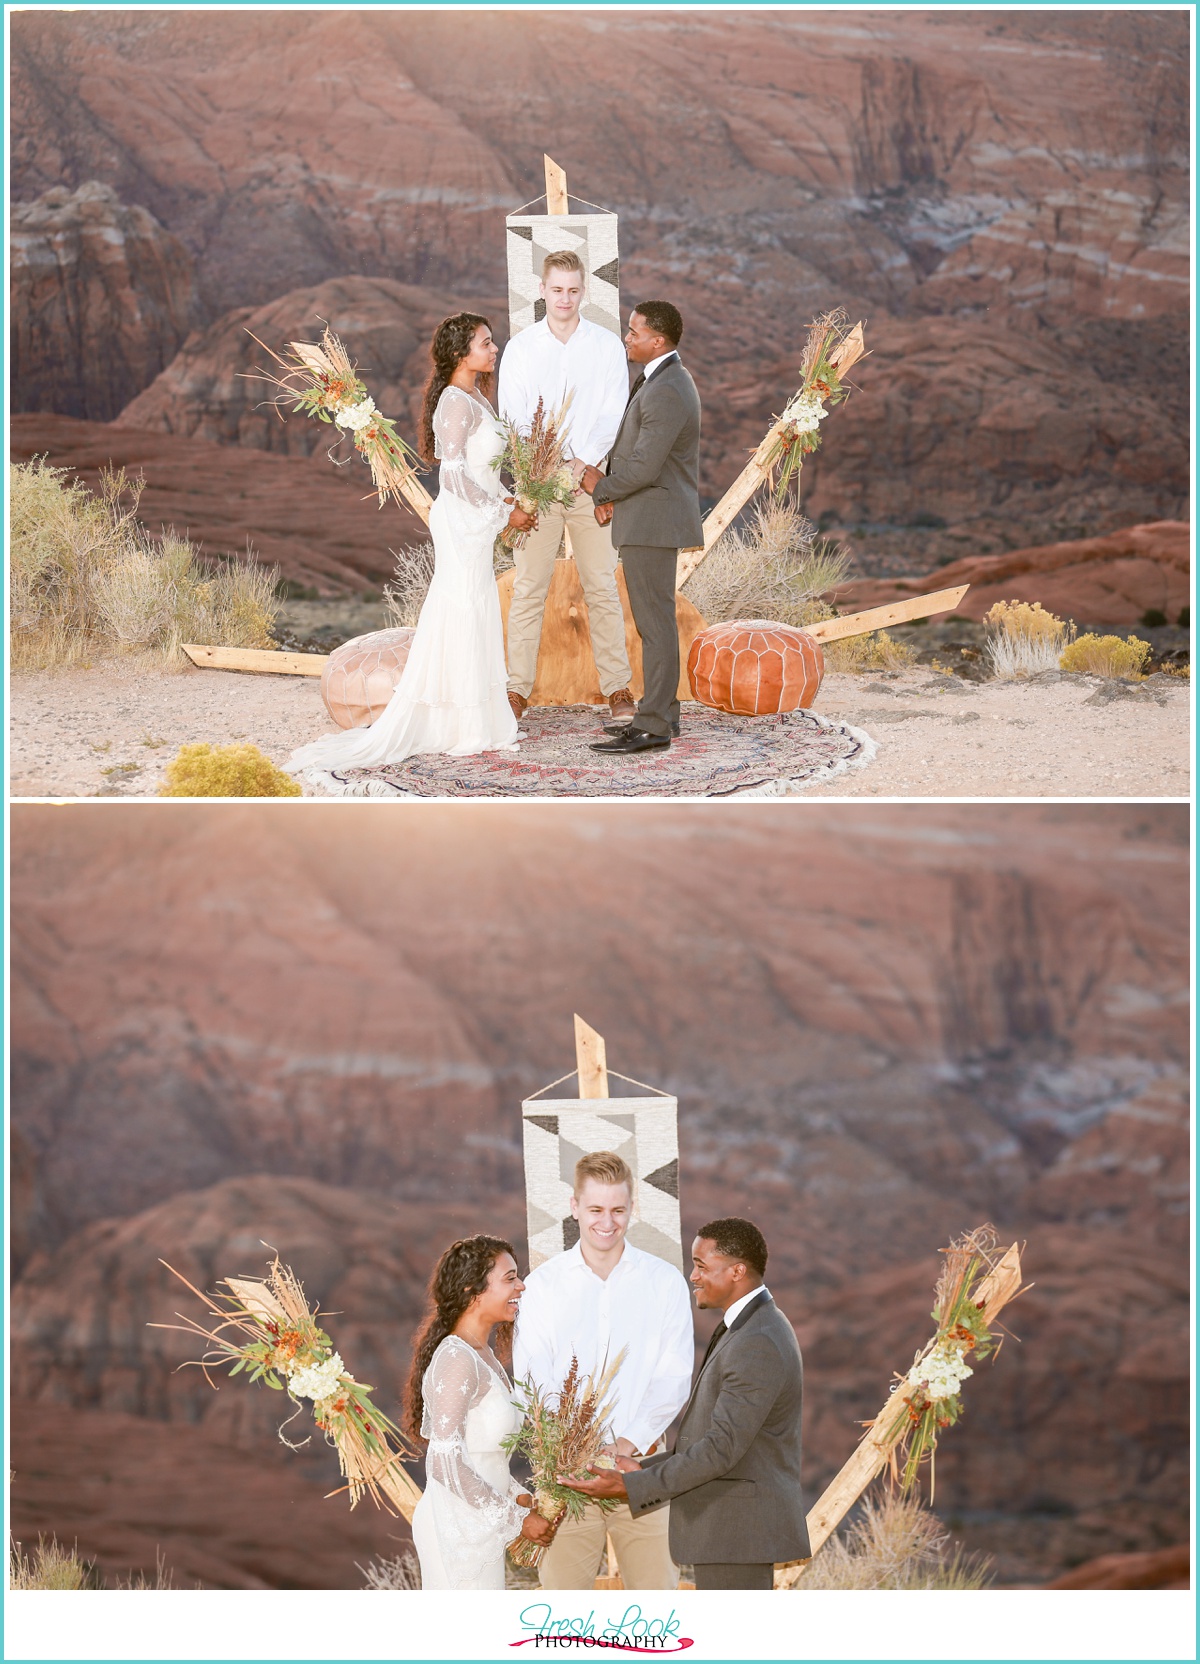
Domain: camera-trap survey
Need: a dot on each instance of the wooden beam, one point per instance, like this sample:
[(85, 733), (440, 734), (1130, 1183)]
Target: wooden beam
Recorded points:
[(883, 1434), (556, 188), (878, 618), (256, 659), (729, 507), (417, 497), (590, 1061)]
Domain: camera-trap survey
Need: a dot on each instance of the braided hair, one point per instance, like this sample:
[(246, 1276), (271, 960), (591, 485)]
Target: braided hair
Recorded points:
[(458, 1278), (450, 345)]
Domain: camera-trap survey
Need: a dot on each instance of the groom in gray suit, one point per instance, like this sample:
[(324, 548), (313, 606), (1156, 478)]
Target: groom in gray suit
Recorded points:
[(733, 1479), (651, 493)]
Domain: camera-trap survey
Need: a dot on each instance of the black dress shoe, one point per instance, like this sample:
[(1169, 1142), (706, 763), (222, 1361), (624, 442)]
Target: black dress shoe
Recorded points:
[(623, 728), (631, 740)]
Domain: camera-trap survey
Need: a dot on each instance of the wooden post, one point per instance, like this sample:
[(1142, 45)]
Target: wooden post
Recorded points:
[(556, 188), (590, 1061), (883, 1434)]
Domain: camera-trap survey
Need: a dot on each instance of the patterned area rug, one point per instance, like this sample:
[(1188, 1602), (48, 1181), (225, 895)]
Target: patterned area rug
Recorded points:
[(716, 756)]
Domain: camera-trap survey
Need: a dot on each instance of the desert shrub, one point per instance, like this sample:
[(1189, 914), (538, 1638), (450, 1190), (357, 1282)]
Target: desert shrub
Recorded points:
[(225, 771), (85, 577), (776, 568), (896, 1543), (1185, 618), (48, 1566), (877, 651), (1095, 655), (1153, 618), (401, 1572), (413, 574), (162, 1579), (1023, 639)]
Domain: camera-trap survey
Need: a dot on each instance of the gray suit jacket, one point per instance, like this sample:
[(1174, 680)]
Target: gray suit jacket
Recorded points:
[(653, 477), (733, 1480)]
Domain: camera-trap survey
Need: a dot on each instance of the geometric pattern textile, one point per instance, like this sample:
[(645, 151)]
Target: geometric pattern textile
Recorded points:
[(755, 667), (717, 755), (643, 1131), (531, 237)]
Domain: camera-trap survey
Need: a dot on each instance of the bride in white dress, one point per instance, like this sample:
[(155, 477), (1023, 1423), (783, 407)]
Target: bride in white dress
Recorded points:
[(453, 695), (460, 1401)]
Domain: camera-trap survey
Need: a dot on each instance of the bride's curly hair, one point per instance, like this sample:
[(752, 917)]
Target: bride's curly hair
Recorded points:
[(458, 1277), (450, 345)]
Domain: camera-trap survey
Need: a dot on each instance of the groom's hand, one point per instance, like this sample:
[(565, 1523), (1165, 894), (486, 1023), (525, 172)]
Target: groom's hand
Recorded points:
[(603, 513), (591, 479), (603, 1483)]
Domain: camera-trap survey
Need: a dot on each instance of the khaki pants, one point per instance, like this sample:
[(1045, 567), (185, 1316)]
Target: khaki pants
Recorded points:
[(592, 546), (573, 1559)]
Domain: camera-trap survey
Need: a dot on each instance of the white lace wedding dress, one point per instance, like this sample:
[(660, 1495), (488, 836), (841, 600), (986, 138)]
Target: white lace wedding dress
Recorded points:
[(453, 695), (469, 1511)]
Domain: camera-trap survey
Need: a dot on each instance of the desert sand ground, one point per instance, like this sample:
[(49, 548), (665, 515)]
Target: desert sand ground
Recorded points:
[(110, 730)]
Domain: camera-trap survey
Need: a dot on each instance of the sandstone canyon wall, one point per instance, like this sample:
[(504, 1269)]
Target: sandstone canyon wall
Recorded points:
[(1002, 195), (315, 1030)]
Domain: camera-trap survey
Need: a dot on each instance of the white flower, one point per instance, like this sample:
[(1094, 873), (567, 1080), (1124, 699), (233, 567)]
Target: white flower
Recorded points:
[(941, 1373), (317, 1381), (355, 416), (804, 412)]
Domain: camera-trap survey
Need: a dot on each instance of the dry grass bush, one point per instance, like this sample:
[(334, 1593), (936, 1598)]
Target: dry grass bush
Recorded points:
[(225, 771), (401, 1572), (48, 1566), (405, 595), (896, 1543), (86, 578), (1023, 639), (777, 568), (1095, 655), (877, 651)]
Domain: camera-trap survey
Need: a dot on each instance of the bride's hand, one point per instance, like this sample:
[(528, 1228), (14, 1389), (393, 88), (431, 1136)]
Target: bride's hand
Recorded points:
[(539, 1530), (519, 520)]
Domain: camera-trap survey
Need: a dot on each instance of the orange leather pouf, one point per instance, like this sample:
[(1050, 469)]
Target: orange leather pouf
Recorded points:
[(755, 668), (361, 675)]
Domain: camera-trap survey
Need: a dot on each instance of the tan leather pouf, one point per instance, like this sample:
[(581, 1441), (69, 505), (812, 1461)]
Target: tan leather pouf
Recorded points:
[(361, 676), (755, 668)]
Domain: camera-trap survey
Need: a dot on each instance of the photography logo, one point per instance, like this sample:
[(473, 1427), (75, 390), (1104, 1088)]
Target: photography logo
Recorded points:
[(634, 1631)]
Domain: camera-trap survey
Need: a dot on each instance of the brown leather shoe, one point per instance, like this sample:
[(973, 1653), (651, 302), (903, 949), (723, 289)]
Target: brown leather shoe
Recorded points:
[(517, 703), (622, 707)]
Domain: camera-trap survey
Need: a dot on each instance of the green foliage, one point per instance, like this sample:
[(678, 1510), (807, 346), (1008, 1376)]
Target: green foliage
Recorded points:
[(1153, 618), (225, 771), (85, 577), (1094, 655)]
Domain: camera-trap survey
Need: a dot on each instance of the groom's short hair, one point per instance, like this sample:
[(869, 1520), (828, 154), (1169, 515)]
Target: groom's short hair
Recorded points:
[(606, 1167), (737, 1239), (563, 260), (663, 319)]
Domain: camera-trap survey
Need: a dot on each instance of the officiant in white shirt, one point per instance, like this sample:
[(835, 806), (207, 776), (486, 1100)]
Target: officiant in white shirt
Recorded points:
[(565, 353), (589, 1302)]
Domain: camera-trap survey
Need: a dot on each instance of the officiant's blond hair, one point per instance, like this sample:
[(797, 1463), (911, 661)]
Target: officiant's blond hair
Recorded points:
[(606, 1167), (563, 260)]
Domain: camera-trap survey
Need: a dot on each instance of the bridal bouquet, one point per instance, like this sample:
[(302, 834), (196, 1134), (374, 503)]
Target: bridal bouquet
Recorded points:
[(322, 382), (830, 351), (975, 1282), (562, 1438), (537, 465), (267, 1329)]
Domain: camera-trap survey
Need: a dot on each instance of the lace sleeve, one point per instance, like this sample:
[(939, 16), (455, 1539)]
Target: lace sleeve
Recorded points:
[(456, 418), (455, 1382)]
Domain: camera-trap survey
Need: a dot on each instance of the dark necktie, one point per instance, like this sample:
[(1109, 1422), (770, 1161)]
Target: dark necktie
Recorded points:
[(638, 384), (716, 1335)]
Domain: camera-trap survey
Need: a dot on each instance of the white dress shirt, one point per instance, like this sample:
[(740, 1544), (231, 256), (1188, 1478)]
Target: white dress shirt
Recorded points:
[(643, 1304), (591, 364), (649, 369), (740, 1305)]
